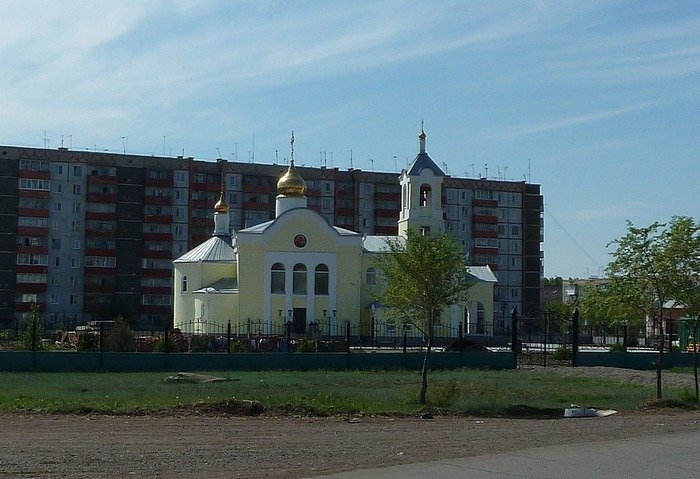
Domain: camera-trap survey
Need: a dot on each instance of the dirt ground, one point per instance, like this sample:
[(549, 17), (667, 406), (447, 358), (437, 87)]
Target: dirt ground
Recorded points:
[(191, 446)]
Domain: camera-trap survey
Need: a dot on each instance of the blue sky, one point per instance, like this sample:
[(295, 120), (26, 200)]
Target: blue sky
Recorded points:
[(601, 99)]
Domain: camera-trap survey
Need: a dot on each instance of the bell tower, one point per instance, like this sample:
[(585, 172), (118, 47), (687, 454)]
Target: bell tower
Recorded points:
[(421, 194)]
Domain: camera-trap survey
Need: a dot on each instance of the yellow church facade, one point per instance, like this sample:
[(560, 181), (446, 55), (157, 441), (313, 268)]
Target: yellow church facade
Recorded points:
[(298, 270)]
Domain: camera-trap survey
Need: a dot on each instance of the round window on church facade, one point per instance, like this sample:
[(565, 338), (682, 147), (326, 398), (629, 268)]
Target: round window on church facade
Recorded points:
[(300, 241)]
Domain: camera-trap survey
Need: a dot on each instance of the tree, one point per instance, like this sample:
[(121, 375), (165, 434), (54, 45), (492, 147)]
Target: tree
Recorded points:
[(423, 275), (122, 338), (650, 266), (683, 253)]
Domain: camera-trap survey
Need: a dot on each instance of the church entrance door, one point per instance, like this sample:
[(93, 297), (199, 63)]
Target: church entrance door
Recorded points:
[(300, 320)]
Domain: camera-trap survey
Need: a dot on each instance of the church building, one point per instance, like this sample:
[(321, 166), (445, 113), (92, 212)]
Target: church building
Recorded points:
[(298, 269)]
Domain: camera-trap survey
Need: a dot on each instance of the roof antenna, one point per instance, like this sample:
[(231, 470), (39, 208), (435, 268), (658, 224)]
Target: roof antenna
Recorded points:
[(218, 150), (351, 159), (529, 177), (252, 158), (486, 169), (46, 140), (276, 156)]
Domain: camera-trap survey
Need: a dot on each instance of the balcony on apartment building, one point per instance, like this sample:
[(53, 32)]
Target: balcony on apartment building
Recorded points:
[(35, 212), (158, 200), (26, 307), (386, 230), (32, 231), (384, 196), (159, 182), (44, 194), (31, 287), (261, 189)]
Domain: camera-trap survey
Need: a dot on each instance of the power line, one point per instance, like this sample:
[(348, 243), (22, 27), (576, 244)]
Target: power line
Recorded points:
[(572, 238)]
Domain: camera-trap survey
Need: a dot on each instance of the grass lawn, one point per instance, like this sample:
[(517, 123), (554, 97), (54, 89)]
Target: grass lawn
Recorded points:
[(464, 391)]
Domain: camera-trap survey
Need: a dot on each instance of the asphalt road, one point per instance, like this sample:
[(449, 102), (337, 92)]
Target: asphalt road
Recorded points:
[(665, 456)]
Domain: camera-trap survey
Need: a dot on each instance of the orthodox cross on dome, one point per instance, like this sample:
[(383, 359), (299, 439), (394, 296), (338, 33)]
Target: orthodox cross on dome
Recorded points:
[(292, 142)]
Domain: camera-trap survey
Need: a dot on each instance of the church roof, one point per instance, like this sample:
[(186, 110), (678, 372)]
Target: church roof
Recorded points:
[(482, 274), (260, 228), (224, 285), (378, 244), (213, 249), (422, 162)]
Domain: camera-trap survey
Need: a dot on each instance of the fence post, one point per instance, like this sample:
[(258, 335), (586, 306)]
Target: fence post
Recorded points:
[(101, 339), (165, 339), (460, 343), (546, 330), (574, 339), (288, 324), (514, 336), (34, 334), (347, 335), (228, 337)]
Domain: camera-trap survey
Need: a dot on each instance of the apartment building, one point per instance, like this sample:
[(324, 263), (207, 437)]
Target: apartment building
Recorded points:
[(87, 234)]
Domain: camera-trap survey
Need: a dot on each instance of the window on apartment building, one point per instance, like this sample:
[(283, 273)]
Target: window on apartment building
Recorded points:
[(74, 299), (180, 177), (75, 225), (72, 281), (53, 299), (76, 207), (34, 165), (327, 187), (77, 189), (33, 259), (34, 184), (58, 188), (57, 206), (77, 170), (76, 244), (56, 243), (515, 230), (58, 169), (184, 284)]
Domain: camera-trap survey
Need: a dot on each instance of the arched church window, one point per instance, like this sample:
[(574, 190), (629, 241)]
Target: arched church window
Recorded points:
[(321, 280), (299, 279), (371, 277), (277, 279), (424, 195), (184, 283)]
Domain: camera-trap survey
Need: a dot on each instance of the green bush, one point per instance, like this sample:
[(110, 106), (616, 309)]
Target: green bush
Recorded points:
[(159, 345), (618, 348), (306, 346), (87, 341), (199, 344), (444, 394), (563, 353), (122, 338)]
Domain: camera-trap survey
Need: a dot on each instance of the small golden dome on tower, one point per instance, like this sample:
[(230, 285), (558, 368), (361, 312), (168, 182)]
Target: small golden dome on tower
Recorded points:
[(422, 135), (291, 183), (221, 206)]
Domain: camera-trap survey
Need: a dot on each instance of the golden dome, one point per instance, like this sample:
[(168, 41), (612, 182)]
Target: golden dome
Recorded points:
[(291, 184), (221, 206)]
